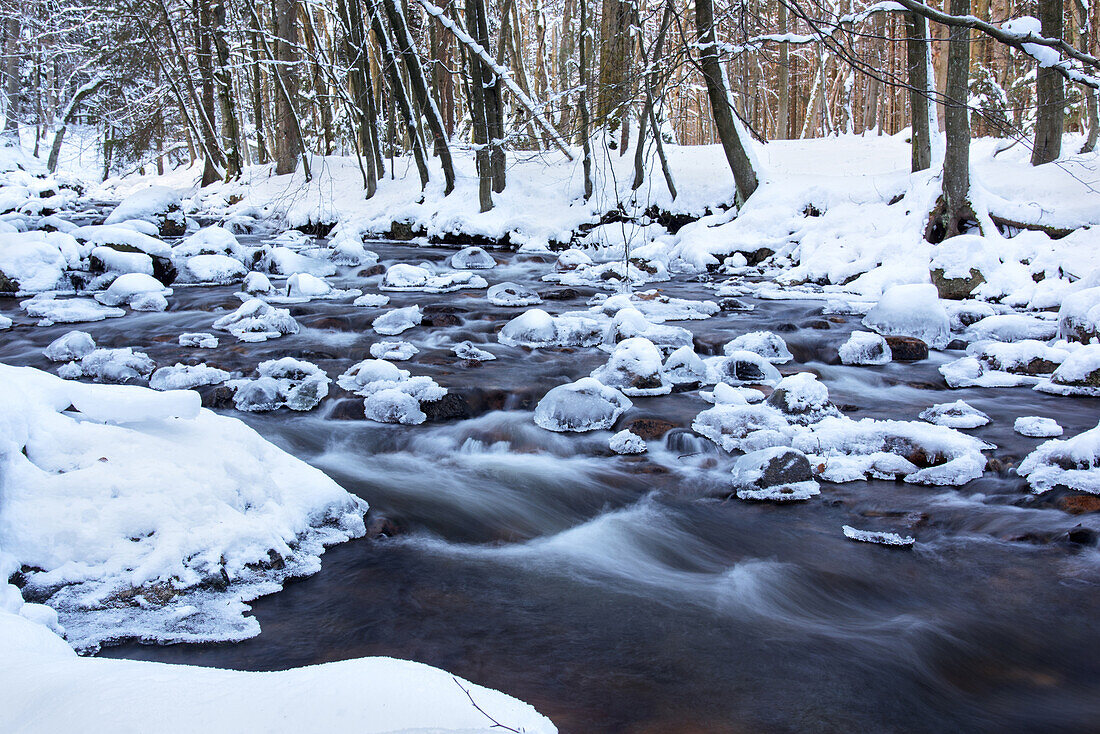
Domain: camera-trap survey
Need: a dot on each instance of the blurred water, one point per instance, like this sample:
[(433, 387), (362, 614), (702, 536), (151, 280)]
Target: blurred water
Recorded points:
[(609, 592)]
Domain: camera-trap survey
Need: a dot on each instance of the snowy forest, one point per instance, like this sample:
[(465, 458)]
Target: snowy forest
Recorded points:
[(642, 366)]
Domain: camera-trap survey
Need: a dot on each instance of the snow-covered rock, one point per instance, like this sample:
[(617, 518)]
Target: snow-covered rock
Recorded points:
[(802, 399), (865, 348), (685, 367), (768, 345), (1037, 427), (136, 290), (635, 369), (285, 382), (156, 204), (70, 346), (257, 321), (405, 277), (911, 310), (390, 394), (189, 507), (1078, 317), (50, 310), (1079, 374), (371, 300), (584, 405), (212, 240), (743, 427), (741, 368), (285, 261), (257, 284), (624, 443), (955, 415), (1011, 328), (1072, 463), (629, 323), (472, 258), (391, 405), (211, 270), (30, 265)]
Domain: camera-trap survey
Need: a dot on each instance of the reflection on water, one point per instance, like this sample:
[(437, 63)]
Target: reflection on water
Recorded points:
[(611, 593)]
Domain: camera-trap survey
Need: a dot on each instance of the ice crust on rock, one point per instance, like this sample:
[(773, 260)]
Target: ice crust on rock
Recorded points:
[(191, 508), (635, 369), (405, 277), (185, 377), (70, 346), (584, 405), (512, 294), (741, 427), (955, 415), (50, 310), (628, 323), (865, 348), (741, 368), (258, 321), (398, 320), (911, 310), (684, 367), (397, 351), (391, 394), (257, 284), (802, 399), (1037, 427), (878, 537), (467, 350), (768, 345), (624, 443), (199, 340), (371, 300), (777, 474), (472, 258), (1011, 328), (1073, 463)]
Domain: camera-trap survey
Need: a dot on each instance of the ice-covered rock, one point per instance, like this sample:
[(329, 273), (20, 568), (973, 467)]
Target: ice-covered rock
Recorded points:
[(1078, 317), (1004, 364), (301, 287), (635, 369), (777, 474), (397, 351), (362, 375), (629, 323), (348, 251), (212, 240), (467, 350), (955, 415), (257, 321), (285, 261), (743, 427), (472, 258), (656, 307), (143, 516), (685, 367), (512, 294), (70, 346), (625, 442), (199, 340), (117, 366), (211, 270), (391, 405), (911, 310), (1073, 463), (398, 320), (963, 314), (1079, 374), (571, 260), (741, 368), (133, 290), (878, 537), (768, 345), (405, 277), (865, 348), (584, 405), (536, 328), (920, 453), (185, 377), (5, 322), (50, 310), (285, 382), (1037, 427), (802, 399), (723, 394)]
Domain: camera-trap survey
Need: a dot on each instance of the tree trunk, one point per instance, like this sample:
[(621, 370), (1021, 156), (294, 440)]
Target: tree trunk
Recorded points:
[(205, 60), (782, 121), (420, 90), (583, 99), (262, 154), (11, 79), (744, 175), (953, 213), (615, 45), (288, 144), (1050, 94), (231, 133), (489, 82), (916, 47)]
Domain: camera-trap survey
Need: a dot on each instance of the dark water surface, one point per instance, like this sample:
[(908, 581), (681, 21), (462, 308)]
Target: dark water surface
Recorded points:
[(609, 592)]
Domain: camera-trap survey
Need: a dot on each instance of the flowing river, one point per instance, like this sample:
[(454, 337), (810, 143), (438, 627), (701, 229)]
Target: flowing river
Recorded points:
[(615, 594)]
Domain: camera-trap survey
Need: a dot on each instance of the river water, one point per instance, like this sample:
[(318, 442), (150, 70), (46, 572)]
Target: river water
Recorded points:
[(613, 593)]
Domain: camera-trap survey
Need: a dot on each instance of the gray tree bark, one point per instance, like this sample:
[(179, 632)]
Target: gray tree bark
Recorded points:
[(1050, 94), (916, 47)]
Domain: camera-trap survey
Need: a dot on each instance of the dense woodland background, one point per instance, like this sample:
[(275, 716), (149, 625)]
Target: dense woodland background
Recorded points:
[(242, 82)]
